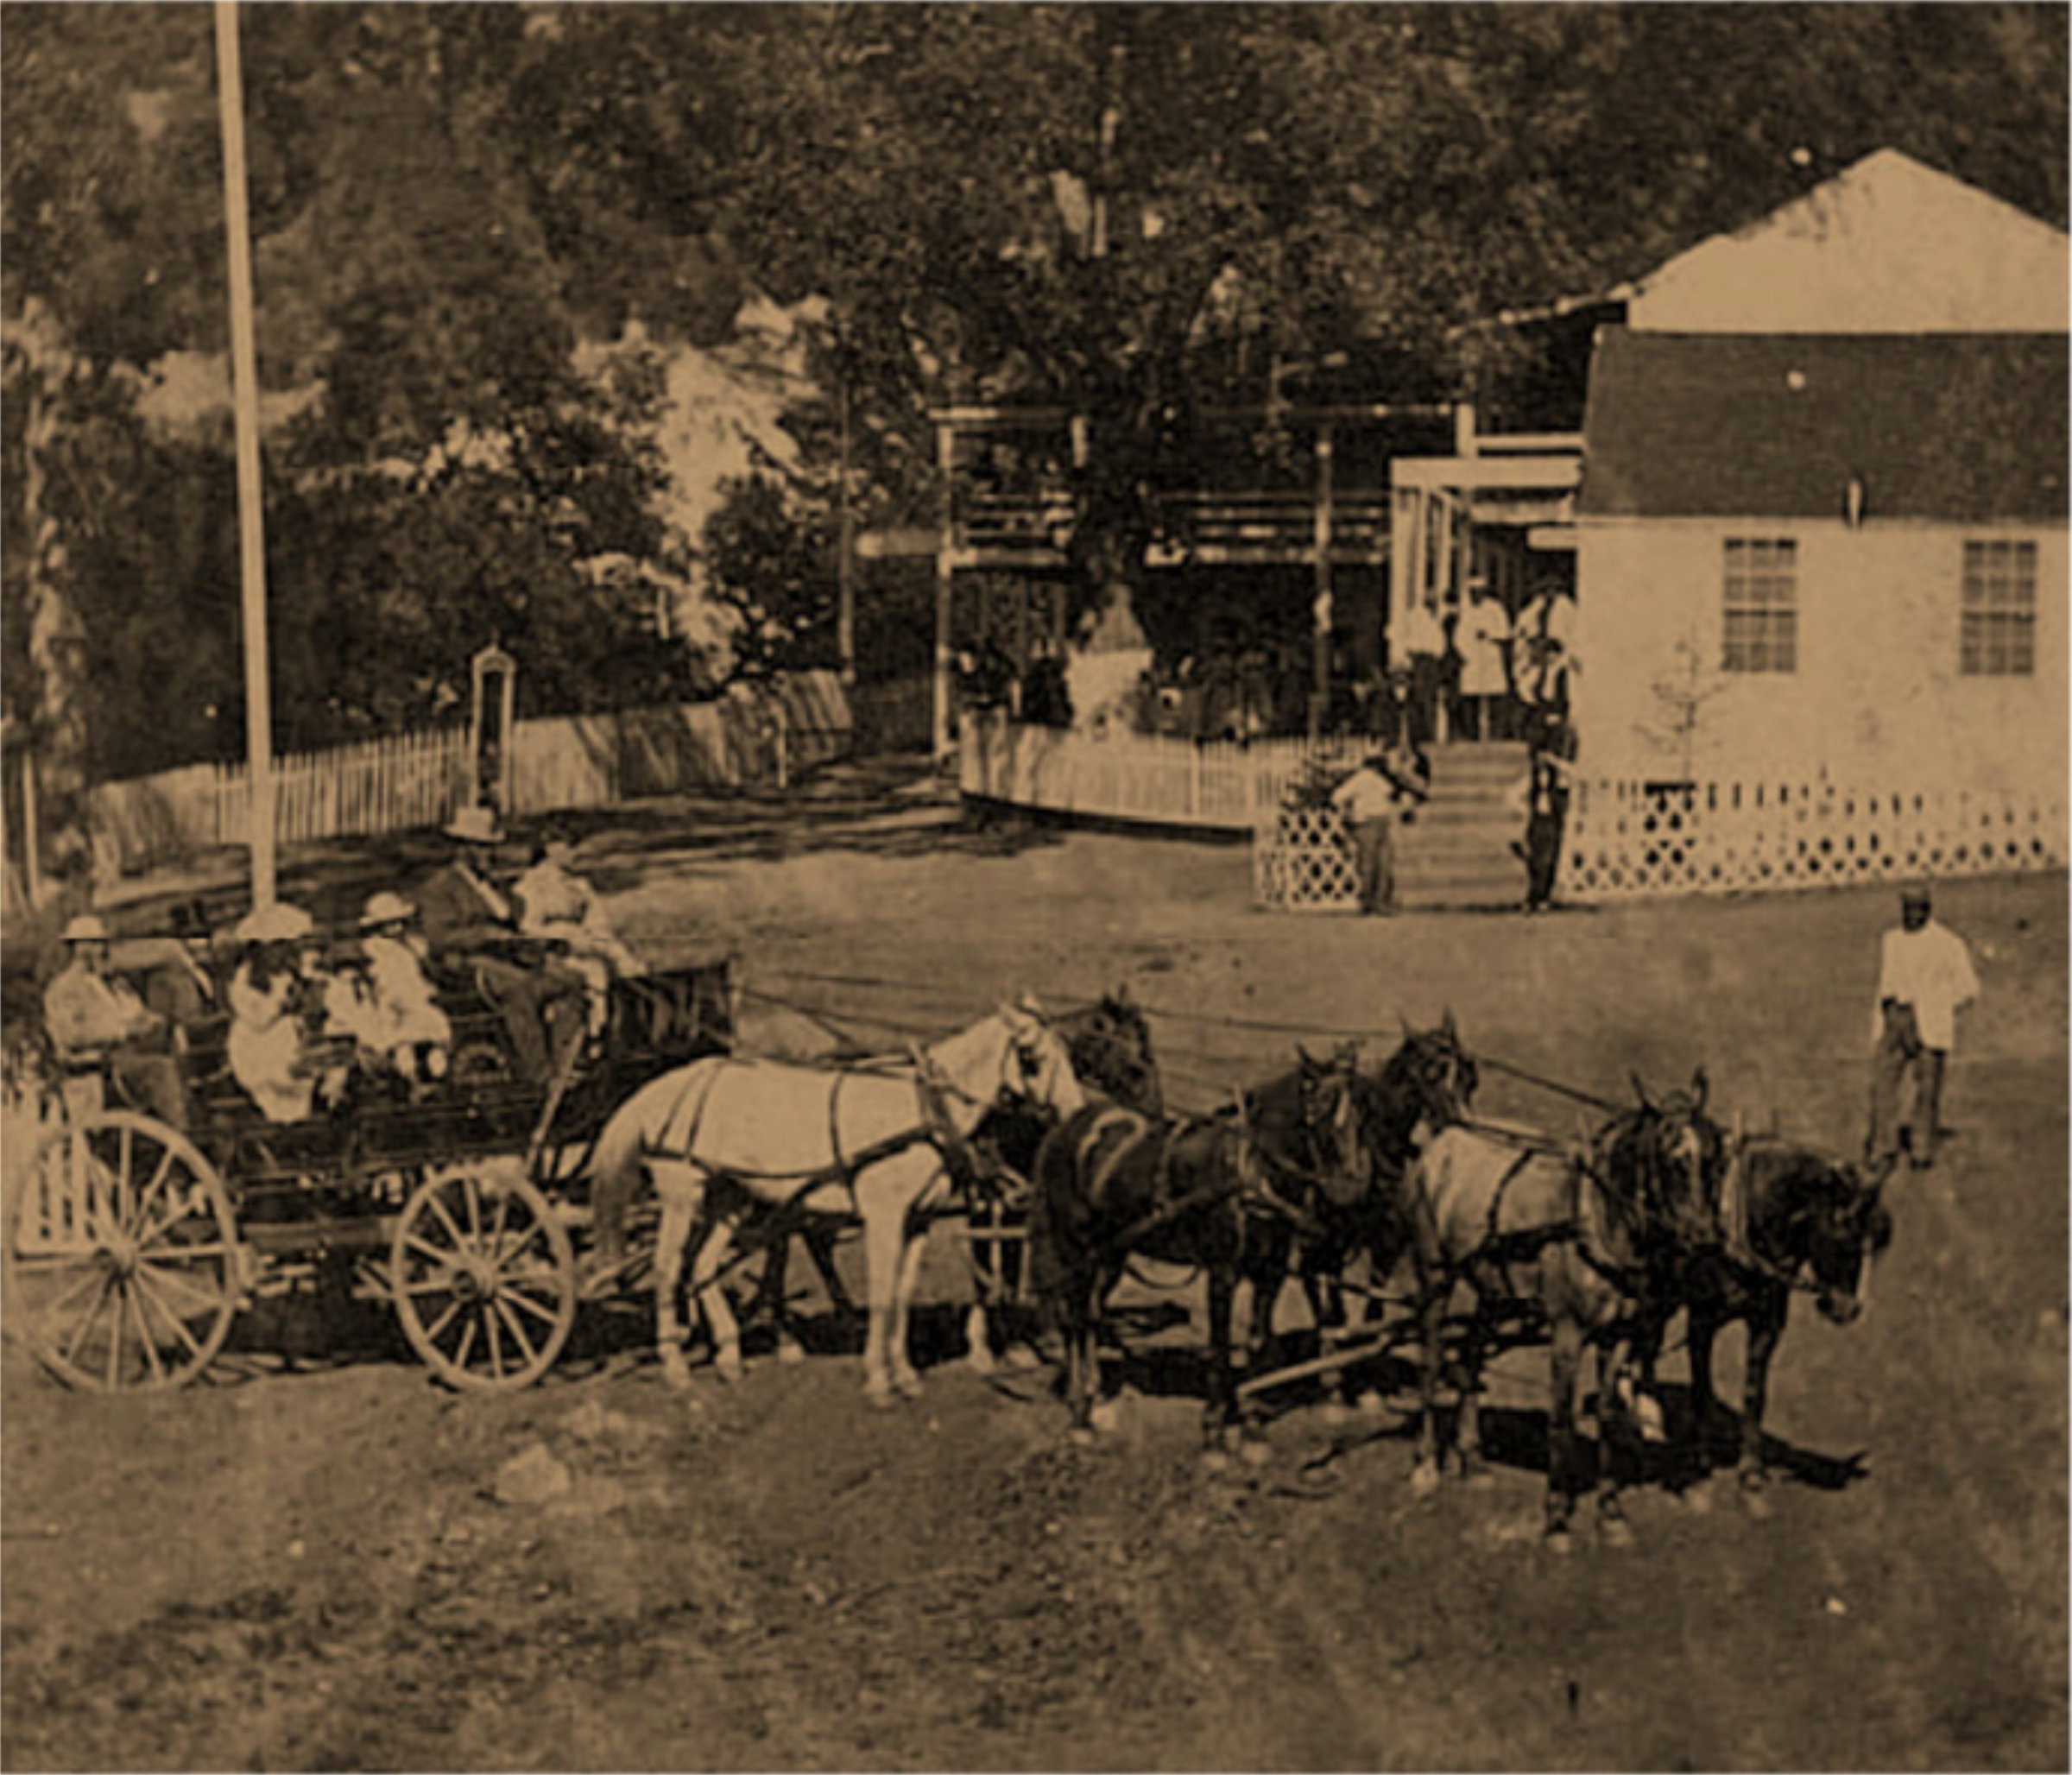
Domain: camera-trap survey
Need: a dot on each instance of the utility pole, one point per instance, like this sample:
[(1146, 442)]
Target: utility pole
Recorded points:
[(251, 516), (845, 561)]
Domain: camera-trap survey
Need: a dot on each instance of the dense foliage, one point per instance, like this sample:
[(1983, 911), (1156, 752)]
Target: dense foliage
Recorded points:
[(1138, 212)]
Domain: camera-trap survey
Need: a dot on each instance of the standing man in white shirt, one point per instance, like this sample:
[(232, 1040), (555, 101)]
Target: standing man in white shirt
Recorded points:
[(1926, 975)]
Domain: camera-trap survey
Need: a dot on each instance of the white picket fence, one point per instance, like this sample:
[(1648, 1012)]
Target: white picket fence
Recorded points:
[(1154, 778), (765, 737), (1627, 839)]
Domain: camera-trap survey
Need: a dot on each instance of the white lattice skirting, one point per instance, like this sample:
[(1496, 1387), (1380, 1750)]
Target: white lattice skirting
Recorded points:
[(1303, 862), (1627, 839)]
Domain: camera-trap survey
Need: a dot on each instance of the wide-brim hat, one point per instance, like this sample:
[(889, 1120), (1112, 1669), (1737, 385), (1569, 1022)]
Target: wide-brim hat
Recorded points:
[(86, 928), (386, 908), (279, 923), (475, 824)]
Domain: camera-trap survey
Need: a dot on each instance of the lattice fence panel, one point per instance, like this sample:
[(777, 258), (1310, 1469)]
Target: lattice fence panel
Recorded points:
[(1627, 839), (1303, 862)]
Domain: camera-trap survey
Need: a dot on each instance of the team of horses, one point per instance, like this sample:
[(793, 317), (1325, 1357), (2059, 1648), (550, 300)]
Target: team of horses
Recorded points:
[(1594, 1244)]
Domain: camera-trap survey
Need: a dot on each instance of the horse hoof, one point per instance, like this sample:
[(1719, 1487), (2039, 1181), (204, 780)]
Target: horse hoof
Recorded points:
[(1213, 1460), (979, 1360), (1616, 1532), (909, 1384), (1559, 1542), (882, 1397), (733, 1372), (1107, 1417), (790, 1354), (1333, 1412), (676, 1375), (1697, 1499), (1371, 1403), (1025, 1359), (1755, 1499), (1255, 1451), (1424, 1478)]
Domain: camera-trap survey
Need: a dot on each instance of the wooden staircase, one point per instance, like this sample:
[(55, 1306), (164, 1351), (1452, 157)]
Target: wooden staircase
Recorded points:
[(1457, 852)]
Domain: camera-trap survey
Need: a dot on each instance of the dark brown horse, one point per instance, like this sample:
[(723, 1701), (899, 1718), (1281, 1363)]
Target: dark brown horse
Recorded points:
[(1588, 1244), (1791, 1220), (1427, 1084), (1224, 1193)]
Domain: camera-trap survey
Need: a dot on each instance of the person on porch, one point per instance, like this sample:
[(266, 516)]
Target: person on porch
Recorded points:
[(1485, 637), (1424, 652), (1381, 794)]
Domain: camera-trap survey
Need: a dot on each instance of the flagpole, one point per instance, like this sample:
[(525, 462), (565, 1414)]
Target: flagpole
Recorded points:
[(251, 517)]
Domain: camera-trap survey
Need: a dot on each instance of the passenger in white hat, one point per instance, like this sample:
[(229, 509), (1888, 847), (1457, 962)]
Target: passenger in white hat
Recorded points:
[(407, 1024), (95, 1019), (267, 1049)]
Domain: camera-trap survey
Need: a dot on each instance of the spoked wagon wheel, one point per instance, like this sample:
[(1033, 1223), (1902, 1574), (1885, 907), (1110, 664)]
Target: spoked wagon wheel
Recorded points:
[(121, 1259), (484, 1276)]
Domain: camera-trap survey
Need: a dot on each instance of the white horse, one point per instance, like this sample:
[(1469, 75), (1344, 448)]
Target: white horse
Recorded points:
[(725, 1139)]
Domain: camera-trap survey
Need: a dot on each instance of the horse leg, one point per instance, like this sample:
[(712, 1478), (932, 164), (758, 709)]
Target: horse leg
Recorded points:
[(1218, 1412), (1765, 1328), (1704, 1402), (720, 1323), (774, 1296), (820, 1247), (904, 1376), (681, 1194), (884, 1247), (1438, 1294), (1468, 1431), (1565, 1360), (986, 1282), (1618, 1442)]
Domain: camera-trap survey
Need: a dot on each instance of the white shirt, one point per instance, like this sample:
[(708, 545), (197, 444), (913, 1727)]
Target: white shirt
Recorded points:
[(1931, 969), (1483, 630), (1364, 795), (1422, 633)]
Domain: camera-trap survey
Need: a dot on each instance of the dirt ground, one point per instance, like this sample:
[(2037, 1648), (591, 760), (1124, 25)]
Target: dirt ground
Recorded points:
[(308, 1563)]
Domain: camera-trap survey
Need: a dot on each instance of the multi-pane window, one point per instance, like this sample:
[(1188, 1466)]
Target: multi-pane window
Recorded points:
[(1998, 637), (1762, 604)]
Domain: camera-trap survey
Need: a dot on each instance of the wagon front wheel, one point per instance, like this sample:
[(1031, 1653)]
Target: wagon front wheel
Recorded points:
[(484, 1277), (121, 1260)]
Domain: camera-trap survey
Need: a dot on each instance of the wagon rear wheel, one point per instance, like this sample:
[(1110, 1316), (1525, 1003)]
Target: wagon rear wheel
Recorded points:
[(484, 1277), (121, 1256)]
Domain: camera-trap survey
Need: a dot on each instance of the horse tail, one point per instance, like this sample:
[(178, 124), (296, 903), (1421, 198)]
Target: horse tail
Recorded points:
[(615, 1169)]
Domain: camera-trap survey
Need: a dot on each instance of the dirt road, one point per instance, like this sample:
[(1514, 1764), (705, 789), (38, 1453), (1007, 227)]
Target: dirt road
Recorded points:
[(315, 1568)]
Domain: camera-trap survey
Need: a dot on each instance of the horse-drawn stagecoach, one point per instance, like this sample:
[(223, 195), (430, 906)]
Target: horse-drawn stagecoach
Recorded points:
[(131, 1246)]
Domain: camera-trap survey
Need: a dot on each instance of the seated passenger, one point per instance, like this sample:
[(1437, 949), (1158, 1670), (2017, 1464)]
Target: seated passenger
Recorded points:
[(470, 926), (405, 1022), (559, 906), (94, 1018), (182, 989), (268, 1052)]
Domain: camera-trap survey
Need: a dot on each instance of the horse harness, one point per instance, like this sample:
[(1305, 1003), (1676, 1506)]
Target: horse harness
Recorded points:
[(1246, 1192)]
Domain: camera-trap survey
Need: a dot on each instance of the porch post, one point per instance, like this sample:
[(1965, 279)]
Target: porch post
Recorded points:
[(945, 574), (1320, 690)]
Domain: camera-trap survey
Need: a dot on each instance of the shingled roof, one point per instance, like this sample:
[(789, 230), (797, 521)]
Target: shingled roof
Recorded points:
[(1961, 427)]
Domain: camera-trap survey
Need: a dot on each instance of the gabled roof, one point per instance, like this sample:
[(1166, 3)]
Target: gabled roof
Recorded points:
[(1888, 245), (1959, 427)]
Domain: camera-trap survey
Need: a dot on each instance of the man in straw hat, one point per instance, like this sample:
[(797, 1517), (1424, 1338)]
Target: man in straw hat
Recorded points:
[(95, 1019), (470, 926), (1924, 976)]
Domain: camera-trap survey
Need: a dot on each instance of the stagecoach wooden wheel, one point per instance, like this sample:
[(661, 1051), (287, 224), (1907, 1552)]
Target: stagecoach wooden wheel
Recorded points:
[(122, 1264), (484, 1276)]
